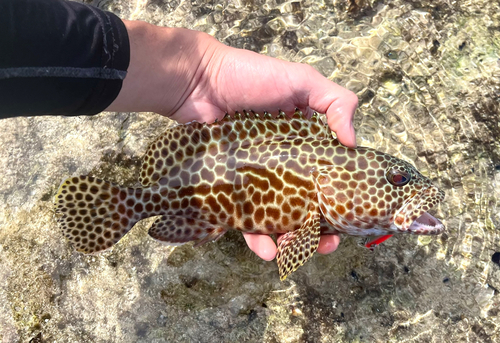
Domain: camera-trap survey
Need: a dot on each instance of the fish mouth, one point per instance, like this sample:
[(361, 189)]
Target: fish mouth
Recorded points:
[(426, 224), (414, 217)]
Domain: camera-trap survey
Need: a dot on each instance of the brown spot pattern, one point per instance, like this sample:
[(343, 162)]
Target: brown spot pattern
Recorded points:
[(253, 173)]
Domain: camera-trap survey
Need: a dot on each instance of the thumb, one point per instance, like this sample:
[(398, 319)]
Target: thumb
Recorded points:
[(338, 103), (340, 115), (342, 125)]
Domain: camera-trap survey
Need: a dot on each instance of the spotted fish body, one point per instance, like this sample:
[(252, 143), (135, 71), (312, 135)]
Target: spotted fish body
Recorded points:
[(256, 174)]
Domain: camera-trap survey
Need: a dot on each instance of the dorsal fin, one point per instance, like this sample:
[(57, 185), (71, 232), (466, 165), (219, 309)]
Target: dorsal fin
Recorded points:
[(185, 141), (249, 115)]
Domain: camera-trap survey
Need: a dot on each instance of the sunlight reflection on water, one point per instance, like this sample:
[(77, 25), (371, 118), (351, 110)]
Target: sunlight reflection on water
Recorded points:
[(428, 82)]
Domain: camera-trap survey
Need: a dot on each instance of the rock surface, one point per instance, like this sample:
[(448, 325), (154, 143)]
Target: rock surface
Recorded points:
[(427, 74)]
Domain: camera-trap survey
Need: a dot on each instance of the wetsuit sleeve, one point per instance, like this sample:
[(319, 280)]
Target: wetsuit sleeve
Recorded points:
[(59, 57)]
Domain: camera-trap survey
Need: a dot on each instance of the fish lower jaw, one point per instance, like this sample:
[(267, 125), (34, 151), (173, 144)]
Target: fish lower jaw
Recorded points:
[(426, 224)]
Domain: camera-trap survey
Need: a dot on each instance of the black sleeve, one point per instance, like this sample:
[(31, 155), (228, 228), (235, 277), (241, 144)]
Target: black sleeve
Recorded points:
[(59, 57)]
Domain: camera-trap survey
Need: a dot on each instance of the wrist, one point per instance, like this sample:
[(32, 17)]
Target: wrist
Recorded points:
[(166, 65)]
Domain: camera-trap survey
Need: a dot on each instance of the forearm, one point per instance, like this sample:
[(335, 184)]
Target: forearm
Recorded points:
[(73, 60), (166, 65), (69, 59)]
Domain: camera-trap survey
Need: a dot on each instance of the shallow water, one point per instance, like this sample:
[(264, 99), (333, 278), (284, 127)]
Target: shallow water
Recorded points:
[(427, 74), (428, 78)]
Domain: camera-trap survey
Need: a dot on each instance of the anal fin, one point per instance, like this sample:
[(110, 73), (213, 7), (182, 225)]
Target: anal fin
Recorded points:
[(296, 247), (177, 230)]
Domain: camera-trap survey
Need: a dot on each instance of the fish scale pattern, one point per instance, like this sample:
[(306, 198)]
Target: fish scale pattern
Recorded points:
[(252, 173), (247, 172)]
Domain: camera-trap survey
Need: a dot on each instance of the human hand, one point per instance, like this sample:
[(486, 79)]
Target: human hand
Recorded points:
[(236, 79), (188, 75), (240, 79)]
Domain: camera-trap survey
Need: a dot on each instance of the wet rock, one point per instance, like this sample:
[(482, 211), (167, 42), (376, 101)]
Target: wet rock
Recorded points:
[(427, 75)]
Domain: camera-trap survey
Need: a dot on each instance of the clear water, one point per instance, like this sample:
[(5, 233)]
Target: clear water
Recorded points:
[(428, 78), (427, 74)]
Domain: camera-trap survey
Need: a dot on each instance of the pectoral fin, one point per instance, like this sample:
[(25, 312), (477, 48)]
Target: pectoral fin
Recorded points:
[(296, 247)]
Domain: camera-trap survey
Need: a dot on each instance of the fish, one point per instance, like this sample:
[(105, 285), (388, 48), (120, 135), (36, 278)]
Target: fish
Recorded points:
[(255, 173)]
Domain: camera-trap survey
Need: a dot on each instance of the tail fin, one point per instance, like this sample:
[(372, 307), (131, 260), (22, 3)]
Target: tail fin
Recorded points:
[(95, 214)]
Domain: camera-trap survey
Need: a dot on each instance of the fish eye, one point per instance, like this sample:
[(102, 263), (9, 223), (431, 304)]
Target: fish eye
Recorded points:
[(398, 177)]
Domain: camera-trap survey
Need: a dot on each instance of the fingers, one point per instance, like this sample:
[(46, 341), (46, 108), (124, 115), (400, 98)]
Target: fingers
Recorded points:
[(338, 103), (340, 115), (262, 245), (328, 244)]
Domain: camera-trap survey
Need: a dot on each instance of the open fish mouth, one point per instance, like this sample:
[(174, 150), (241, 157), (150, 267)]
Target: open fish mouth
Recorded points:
[(426, 224), (414, 217)]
